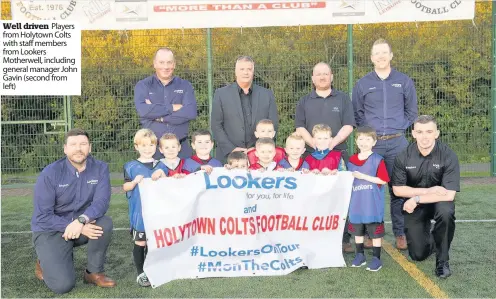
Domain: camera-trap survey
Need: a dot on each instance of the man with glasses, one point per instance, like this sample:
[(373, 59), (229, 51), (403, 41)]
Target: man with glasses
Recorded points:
[(166, 103)]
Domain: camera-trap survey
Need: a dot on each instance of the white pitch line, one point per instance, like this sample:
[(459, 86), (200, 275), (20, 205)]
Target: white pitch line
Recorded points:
[(388, 222), (462, 221)]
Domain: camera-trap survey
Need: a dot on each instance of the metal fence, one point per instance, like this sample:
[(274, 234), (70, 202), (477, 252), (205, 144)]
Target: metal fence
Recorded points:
[(450, 63)]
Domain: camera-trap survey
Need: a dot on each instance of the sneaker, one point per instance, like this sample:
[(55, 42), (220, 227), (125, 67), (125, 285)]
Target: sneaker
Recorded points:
[(375, 265), (142, 280), (359, 260), (442, 269)]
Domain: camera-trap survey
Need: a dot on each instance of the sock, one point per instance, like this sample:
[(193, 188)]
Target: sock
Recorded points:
[(359, 247), (376, 251), (139, 258)]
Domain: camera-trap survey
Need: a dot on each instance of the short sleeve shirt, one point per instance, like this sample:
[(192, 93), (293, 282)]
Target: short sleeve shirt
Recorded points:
[(335, 110), (439, 168), (149, 165)]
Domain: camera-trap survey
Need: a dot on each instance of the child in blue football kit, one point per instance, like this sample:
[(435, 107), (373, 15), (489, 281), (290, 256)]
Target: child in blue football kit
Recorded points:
[(367, 198), (145, 142)]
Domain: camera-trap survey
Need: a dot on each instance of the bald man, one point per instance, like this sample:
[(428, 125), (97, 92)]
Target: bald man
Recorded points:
[(166, 103), (325, 105)]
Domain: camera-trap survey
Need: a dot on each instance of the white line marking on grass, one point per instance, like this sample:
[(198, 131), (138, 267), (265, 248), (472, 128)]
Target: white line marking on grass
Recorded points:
[(389, 222), (462, 221)]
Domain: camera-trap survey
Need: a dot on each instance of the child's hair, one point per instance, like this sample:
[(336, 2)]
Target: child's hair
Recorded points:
[(236, 156), (321, 128), (144, 133), (296, 137), (367, 131), (262, 141), (201, 132), (265, 122), (168, 136)]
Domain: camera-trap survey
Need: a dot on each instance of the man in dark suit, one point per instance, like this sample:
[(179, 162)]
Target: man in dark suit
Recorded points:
[(237, 108)]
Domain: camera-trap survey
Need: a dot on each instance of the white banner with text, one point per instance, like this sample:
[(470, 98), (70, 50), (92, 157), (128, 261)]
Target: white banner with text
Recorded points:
[(174, 14), (239, 223)]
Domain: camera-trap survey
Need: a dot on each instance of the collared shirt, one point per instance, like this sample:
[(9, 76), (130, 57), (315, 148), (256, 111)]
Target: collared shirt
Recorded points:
[(439, 168), (335, 110), (177, 91), (246, 107), (62, 194), (389, 106)]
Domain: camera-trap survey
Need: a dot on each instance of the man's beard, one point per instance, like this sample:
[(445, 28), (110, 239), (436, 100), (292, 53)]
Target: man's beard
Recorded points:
[(83, 160)]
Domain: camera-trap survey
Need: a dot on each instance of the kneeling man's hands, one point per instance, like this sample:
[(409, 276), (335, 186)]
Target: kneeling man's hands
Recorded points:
[(92, 231), (73, 230), (439, 190), (410, 205)]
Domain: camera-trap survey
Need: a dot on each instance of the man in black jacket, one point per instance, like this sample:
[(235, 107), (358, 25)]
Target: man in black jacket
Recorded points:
[(237, 108)]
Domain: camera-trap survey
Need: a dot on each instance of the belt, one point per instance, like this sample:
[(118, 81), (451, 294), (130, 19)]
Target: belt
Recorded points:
[(387, 137)]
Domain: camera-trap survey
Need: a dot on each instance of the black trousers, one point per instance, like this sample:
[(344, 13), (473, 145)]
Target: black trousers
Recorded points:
[(421, 240)]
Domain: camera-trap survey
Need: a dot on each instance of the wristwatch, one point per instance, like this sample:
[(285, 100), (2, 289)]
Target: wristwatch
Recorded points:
[(82, 219), (417, 199)]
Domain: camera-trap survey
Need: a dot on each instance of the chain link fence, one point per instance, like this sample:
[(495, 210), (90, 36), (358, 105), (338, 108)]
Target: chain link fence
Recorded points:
[(450, 63)]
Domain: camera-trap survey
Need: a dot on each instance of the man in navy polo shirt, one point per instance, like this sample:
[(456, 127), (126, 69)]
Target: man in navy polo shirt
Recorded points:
[(71, 197), (326, 105), (386, 100), (166, 103)]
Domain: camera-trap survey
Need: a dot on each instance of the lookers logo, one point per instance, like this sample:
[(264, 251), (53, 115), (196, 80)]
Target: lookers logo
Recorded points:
[(250, 182)]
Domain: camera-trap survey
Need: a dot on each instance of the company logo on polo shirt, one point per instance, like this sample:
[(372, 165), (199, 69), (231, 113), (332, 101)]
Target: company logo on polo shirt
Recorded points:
[(179, 91), (437, 166), (396, 85), (63, 186), (335, 109), (92, 182), (371, 88), (411, 167)]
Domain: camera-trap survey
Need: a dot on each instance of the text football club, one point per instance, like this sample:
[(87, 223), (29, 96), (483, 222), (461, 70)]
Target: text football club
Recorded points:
[(243, 226)]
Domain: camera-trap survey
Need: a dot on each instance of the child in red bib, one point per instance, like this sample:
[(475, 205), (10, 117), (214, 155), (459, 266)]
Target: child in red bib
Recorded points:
[(265, 129), (323, 160), (265, 150)]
